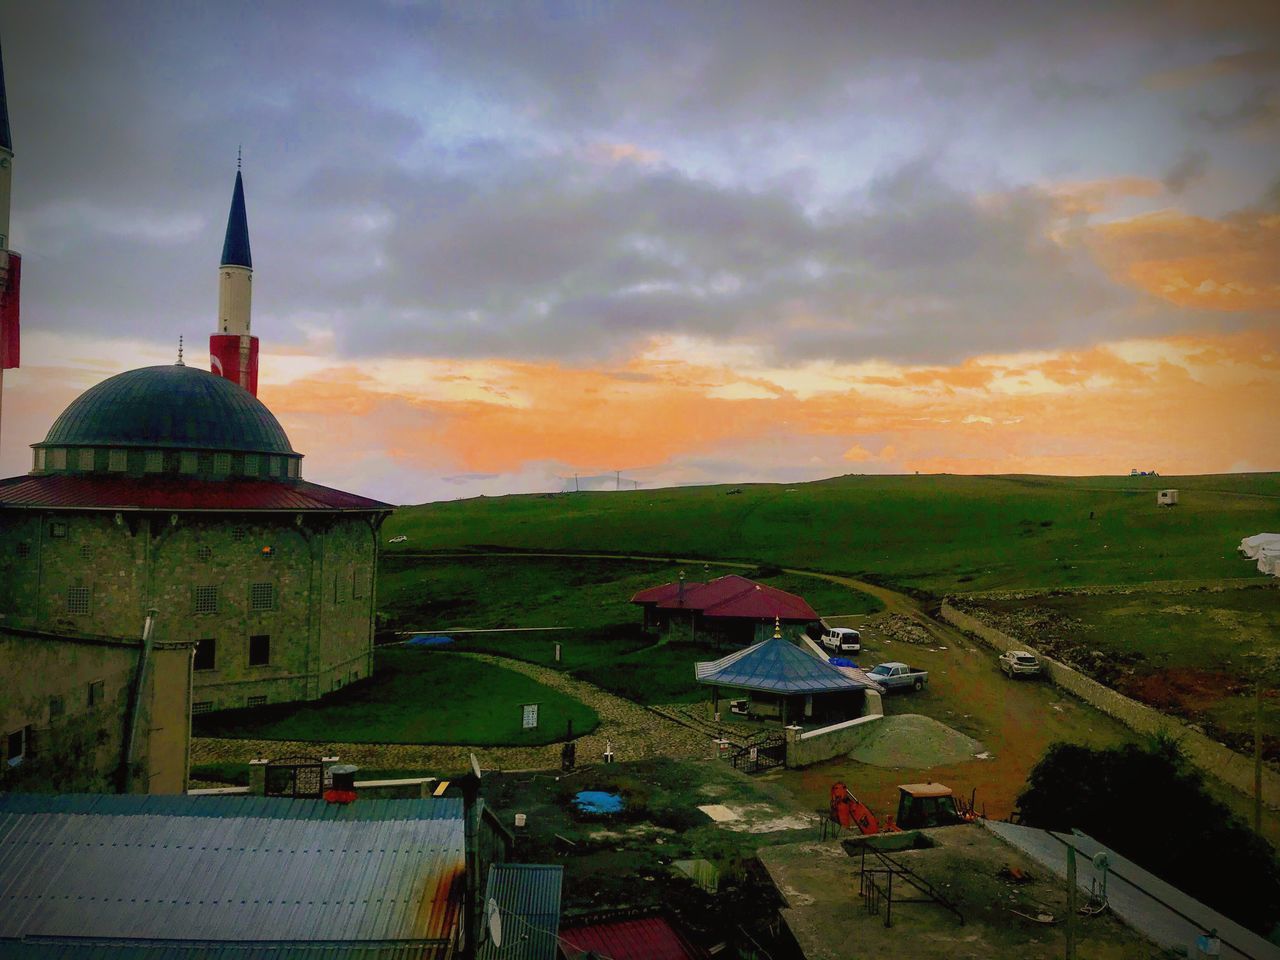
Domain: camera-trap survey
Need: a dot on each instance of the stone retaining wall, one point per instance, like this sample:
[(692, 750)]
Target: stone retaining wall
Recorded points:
[(1210, 756), (814, 746)]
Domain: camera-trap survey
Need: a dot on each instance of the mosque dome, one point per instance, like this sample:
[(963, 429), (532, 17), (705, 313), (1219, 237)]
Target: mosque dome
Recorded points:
[(166, 419)]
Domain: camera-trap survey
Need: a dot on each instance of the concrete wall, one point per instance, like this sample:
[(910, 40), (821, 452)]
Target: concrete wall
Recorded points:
[(814, 746), (320, 571), (1209, 755), (78, 746)]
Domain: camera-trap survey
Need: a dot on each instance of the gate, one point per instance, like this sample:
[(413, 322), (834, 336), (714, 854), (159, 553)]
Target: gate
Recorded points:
[(298, 777), (763, 753)]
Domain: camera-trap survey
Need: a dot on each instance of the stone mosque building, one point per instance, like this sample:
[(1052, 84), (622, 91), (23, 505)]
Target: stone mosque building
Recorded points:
[(175, 490)]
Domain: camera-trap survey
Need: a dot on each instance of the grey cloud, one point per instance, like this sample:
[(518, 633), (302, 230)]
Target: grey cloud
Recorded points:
[(1190, 167), (1262, 105)]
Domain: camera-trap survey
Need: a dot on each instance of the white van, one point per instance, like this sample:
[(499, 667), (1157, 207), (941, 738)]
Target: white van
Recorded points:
[(842, 640)]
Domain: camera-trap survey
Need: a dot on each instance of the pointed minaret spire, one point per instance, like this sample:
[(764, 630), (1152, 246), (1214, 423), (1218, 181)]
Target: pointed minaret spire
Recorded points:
[(233, 350), (6, 136)]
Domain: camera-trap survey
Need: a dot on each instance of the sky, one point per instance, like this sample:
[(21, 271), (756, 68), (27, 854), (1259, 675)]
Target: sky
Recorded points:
[(500, 245)]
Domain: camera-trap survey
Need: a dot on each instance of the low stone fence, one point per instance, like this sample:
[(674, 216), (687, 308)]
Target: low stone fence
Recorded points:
[(814, 746), (1210, 756)]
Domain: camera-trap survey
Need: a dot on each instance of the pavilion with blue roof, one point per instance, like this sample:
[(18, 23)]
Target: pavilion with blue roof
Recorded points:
[(785, 681)]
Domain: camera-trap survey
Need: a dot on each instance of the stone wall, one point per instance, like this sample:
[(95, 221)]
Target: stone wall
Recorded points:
[(70, 697), (304, 581), (1209, 755)]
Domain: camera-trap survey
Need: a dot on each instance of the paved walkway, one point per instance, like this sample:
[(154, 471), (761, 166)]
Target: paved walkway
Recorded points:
[(633, 732)]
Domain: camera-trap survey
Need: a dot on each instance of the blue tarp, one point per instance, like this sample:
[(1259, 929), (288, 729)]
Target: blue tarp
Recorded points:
[(428, 640), (841, 662), (597, 801)]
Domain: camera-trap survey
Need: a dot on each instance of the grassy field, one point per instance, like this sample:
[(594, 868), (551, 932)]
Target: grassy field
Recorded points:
[(934, 533), (1186, 653), (414, 696)]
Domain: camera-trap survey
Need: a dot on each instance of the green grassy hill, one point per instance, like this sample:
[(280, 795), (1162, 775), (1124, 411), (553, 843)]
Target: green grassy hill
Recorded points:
[(935, 533)]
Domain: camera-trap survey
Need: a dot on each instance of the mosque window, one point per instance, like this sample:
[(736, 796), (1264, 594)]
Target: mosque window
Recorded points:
[(79, 600), (258, 701), (188, 461), (86, 552), (97, 692), (201, 706), (17, 747), (57, 530), (259, 650), (293, 469), (57, 707), (237, 534), (262, 596), (39, 465), (204, 552), (206, 654), (154, 461), (86, 459), (23, 550), (357, 584), (206, 599), (117, 460), (222, 463), (250, 464), (277, 466), (58, 459)]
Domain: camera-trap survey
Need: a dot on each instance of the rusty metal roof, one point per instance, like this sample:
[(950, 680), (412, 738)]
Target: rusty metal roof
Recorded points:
[(188, 869), (97, 492)]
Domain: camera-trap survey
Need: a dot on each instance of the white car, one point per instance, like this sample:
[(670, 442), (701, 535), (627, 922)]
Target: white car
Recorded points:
[(1020, 663), (842, 640), (400, 539)]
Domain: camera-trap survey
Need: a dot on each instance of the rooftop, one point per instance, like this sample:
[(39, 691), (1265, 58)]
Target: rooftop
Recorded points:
[(528, 899), (730, 596), (776, 665)]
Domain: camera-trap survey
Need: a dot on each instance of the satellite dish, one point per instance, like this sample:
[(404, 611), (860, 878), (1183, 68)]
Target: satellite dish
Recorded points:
[(475, 767), (494, 919), (1101, 861)]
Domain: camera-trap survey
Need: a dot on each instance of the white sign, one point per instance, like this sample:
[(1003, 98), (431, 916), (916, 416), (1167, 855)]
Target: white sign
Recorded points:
[(530, 715)]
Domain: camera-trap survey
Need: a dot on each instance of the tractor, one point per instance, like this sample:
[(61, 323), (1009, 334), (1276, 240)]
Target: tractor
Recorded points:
[(919, 805)]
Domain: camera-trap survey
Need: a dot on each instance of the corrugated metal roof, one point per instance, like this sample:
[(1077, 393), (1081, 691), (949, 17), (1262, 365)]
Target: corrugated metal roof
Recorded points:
[(124, 493), (650, 938), (244, 870), (778, 666), (730, 596), (528, 898), (77, 950)]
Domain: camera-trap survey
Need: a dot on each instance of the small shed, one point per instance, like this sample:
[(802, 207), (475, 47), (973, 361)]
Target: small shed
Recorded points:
[(1167, 498)]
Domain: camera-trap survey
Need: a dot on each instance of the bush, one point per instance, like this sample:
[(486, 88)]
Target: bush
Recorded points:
[(1147, 804)]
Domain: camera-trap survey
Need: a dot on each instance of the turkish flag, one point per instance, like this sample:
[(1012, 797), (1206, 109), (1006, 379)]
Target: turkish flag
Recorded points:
[(10, 285)]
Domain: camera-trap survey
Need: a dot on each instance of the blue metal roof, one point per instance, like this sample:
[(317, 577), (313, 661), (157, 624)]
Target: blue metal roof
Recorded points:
[(775, 665), (170, 406), (230, 869), (528, 898), (235, 248)]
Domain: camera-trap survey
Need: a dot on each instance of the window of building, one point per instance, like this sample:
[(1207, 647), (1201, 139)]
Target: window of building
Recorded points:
[(39, 465), (58, 458), (86, 459), (79, 600), (258, 701), (259, 650), (188, 461), (250, 464), (118, 460), (293, 468), (206, 599), (357, 584), (262, 596), (86, 552), (201, 706), (97, 692), (23, 550), (237, 534), (206, 654), (57, 707), (17, 746), (222, 463), (277, 466), (57, 529), (339, 594), (204, 552), (153, 461)]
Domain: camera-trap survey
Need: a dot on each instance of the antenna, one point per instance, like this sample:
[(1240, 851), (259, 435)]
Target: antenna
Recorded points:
[(494, 918), (239, 154)]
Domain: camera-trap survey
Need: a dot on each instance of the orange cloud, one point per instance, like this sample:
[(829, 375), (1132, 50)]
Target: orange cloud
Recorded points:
[(1192, 261), (1257, 61), (1075, 198)]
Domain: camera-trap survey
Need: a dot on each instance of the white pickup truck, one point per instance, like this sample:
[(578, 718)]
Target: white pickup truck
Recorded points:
[(898, 676)]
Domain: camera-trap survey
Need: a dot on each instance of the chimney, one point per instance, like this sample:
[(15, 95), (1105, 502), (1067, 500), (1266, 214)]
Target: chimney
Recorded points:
[(343, 789)]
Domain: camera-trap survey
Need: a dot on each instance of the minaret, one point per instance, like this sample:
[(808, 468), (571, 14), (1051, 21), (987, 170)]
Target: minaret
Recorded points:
[(233, 351), (10, 262)]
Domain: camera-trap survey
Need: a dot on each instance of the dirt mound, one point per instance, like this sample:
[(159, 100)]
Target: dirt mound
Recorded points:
[(914, 741)]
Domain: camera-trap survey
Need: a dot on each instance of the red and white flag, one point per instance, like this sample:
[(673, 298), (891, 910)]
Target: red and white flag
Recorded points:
[(10, 287)]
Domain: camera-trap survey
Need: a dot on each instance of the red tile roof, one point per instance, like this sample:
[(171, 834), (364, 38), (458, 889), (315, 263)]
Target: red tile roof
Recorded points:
[(730, 596), (651, 938), (123, 493)]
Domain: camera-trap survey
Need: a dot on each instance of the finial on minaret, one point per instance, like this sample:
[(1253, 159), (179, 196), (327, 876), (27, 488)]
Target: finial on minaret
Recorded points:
[(239, 155), (777, 628), (180, 363)]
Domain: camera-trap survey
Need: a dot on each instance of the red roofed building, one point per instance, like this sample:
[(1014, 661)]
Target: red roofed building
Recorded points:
[(730, 608), (644, 938)]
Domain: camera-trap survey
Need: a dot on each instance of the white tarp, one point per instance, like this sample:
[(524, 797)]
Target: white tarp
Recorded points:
[(1269, 561), (1252, 546)]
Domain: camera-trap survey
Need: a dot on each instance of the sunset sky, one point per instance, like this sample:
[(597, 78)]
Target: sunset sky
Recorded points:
[(496, 245)]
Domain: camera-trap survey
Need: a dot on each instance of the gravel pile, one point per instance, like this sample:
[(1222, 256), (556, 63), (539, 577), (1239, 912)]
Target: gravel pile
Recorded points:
[(914, 741)]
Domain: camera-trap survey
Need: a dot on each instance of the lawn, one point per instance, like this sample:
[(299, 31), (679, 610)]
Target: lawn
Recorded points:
[(662, 674), (415, 696), (934, 533), (1185, 653)]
